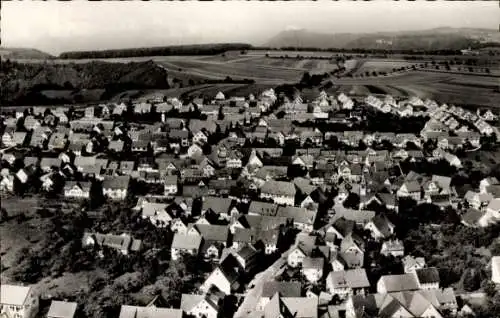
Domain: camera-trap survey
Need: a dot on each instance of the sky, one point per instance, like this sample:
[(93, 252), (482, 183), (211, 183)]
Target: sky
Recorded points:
[(77, 25)]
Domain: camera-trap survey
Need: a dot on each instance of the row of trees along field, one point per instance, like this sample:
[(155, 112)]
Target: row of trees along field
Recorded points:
[(201, 49)]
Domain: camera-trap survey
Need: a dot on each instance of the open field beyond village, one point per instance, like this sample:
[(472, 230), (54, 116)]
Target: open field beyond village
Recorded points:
[(251, 183)]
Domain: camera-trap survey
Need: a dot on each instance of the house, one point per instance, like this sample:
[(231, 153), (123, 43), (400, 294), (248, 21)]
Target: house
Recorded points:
[(78, 190), (123, 243), (7, 183), (178, 137), (225, 278), (352, 251), (62, 309), (170, 185), (18, 301), (402, 304), (487, 182), (220, 207), (116, 145), (280, 192), (411, 263), (127, 311), (410, 189), (302, 218), (116, 187), (47, 164), (380, 227), (348, 282), (183, 243), (427, 278), (11, 138), (215, 238), (392, 247), (300, 251), (199, 306), (312, 268), (194, 151), (493, 209), (57, 141), (495, 269), (397, 283), (156, 213), (478, 200), (283, 288)]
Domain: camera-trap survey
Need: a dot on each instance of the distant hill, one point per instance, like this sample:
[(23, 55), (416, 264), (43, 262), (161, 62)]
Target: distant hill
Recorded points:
[(23, 53), (195, 49), (434, 39)]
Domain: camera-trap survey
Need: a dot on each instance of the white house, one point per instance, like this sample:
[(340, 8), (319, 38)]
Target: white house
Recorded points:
[(219, 279), (147, 311), (312, 268), (199, 306), (185, 244), (170, 185), (78, 190), (280, 192), (495, 269), (349, 282), (116, 187), (18, 301)]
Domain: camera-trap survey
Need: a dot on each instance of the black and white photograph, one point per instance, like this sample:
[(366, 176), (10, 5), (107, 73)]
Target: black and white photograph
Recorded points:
[(250, 159)]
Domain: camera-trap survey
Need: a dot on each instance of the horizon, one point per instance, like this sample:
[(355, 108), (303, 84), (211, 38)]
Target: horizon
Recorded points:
[(56, 27)]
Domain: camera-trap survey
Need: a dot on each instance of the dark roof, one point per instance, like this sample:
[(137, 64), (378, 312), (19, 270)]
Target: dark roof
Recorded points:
[(216, 204), (285, 289), (211, 232), (116, 182), (262, 208), (472, 216), (428, 275)]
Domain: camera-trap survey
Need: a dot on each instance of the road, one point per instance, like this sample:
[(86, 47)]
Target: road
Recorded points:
[(252, 297)]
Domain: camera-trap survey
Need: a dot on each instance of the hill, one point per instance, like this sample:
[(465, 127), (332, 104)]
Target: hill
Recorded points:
[(27, 83), (23, 53), (434, 39), (198, 49)]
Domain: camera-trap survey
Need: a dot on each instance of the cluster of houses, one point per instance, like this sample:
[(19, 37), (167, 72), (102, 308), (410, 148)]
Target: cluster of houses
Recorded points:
[(233, 193)]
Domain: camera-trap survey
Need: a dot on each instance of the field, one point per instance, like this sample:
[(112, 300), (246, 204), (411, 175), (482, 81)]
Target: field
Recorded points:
[(381, 66), (468, 89)]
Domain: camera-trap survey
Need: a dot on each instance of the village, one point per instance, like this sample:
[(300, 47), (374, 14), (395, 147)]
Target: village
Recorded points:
[(301, 204)]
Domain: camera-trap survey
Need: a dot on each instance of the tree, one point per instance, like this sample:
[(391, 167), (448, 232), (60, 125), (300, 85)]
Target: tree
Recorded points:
[(471, 280), (220, 114)]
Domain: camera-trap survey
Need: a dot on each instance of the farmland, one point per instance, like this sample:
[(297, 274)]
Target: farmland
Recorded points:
[(191, 75)]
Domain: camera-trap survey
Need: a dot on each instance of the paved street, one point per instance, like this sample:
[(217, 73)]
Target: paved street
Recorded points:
[(249, 304)]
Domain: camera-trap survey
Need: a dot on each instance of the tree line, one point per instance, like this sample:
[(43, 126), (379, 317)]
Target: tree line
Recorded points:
[(201, 49)]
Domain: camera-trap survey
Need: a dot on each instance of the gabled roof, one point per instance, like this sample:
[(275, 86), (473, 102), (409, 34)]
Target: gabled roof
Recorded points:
[(116, 182), (428, 275), (276, 308), (216, 204), (382, 224), (189, 301), (395, 283), (285, 289), (188, 242), (84, 185), (209, 232), (302, 307), (279, 188), (299, 215), (62, 309), (13, 294), (352, 278)]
